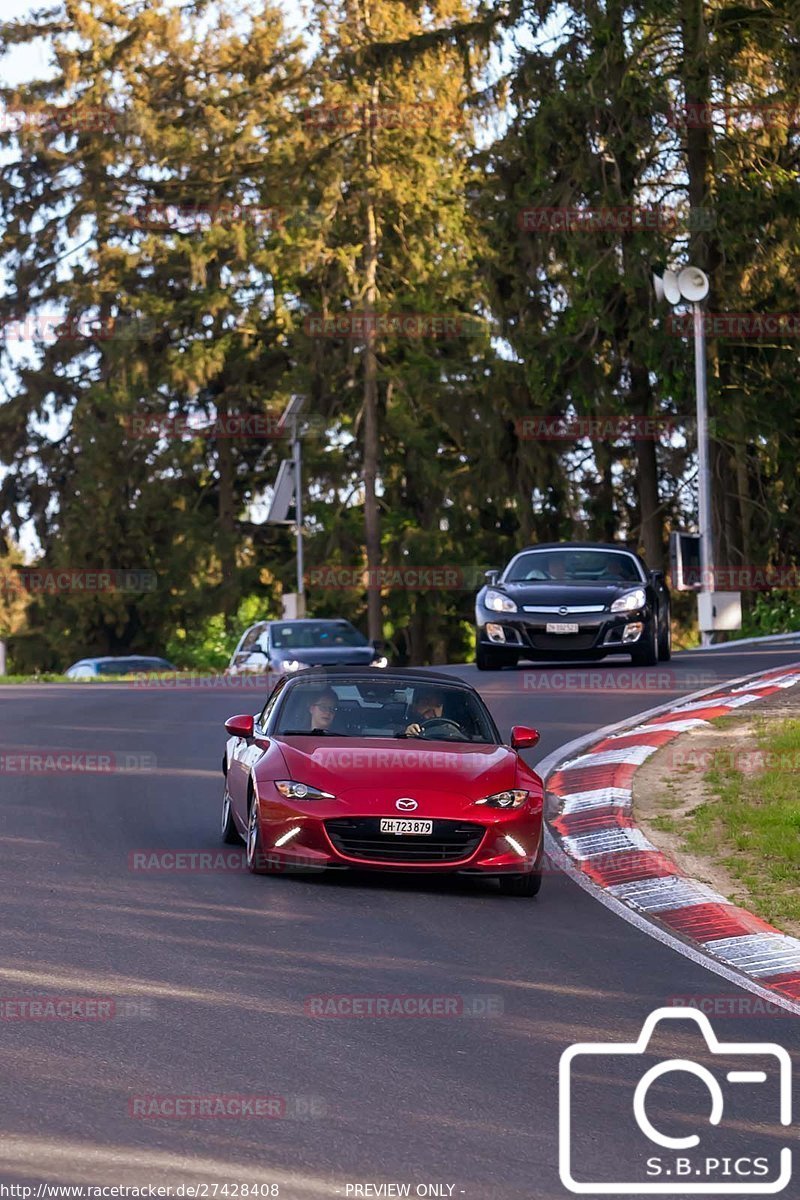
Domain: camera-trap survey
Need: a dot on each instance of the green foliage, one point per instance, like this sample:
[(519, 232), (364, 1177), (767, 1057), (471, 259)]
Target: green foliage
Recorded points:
[(772, 612), (215, 207), (209, 645), (753, 823)]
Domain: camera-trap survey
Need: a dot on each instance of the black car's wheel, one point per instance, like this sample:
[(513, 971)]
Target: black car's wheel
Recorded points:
[(665, 640), (255, 855), (521, 885), (645, 652), (230, 834), (494, 660)]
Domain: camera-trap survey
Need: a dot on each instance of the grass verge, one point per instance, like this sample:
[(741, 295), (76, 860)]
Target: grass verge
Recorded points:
[(751, 820)]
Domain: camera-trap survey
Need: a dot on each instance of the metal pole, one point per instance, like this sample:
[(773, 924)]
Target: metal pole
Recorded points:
[(298, 504), (703, 462)]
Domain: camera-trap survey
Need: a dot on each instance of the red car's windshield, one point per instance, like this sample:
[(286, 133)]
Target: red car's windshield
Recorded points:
[(368, 709)]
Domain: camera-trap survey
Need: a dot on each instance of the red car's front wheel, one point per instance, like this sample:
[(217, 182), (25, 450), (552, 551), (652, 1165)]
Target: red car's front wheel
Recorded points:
[(230, 834), (521, 885), (255, 855)]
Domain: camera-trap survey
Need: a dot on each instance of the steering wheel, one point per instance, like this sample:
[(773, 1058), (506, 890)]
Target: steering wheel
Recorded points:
[(434, 722)]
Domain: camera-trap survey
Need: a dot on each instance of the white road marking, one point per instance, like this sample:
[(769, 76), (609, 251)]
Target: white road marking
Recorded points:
[(665, 893), (759, 953), (609, 797), (608, 841)]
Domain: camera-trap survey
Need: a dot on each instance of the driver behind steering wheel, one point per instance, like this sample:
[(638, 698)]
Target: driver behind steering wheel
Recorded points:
[(427, 706)]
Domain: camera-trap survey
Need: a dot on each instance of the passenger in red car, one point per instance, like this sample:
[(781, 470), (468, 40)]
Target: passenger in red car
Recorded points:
[(322, 710)]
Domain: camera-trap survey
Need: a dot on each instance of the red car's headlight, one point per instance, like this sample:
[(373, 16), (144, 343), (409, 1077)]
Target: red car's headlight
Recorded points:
[(510, 799), (301, 791)]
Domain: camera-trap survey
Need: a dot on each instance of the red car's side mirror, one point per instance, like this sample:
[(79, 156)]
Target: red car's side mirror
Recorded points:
[(523, 738), (241, 726)]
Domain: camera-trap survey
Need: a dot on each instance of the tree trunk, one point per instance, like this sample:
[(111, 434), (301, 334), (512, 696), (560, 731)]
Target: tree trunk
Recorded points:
[(226, 519), (372, 528), (651, 524), (704, 247)]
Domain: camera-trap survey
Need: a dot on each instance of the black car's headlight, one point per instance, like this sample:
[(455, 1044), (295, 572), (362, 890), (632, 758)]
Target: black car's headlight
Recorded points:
[(301, 791), (497, 602), (512, 798), (630, 602), (291, 665), (380, 661)]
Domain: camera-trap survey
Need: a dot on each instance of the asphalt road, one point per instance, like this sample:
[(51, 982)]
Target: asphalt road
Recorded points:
[(210, 974)]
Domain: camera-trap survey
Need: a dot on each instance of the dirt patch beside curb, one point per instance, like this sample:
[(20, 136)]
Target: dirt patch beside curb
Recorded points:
[(672, 786)]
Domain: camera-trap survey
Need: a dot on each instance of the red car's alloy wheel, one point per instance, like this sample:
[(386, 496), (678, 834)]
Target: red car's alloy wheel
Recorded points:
[(255, 855), (230, 834)]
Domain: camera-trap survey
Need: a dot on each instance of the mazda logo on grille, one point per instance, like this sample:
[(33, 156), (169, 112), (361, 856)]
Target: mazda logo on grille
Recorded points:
[(406, 804), (563, 610)]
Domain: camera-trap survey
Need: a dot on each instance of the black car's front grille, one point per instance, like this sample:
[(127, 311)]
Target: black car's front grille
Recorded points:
[(562, 641), (361, 837)]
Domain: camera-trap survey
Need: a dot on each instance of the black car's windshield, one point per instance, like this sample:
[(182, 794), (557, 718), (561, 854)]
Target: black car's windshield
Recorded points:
[(313, 635), (574, 566), (366, 708)]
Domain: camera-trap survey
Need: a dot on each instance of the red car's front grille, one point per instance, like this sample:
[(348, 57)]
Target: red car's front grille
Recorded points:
[(360, 837)]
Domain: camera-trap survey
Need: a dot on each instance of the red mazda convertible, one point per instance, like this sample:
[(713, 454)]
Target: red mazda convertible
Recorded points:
[(406, 771)]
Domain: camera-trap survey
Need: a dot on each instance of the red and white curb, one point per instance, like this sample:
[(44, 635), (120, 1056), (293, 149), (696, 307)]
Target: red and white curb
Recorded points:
[(593, 834)]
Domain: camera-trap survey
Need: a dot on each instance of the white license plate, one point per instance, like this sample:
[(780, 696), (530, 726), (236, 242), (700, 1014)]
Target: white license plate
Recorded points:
[(562, 627), (404, 825)]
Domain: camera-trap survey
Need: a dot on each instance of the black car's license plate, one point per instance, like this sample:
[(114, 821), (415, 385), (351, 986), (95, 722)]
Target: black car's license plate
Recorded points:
[(404, 825), (563, 627)]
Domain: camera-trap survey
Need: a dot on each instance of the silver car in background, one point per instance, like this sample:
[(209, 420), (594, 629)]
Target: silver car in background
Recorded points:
[(283, 647)]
